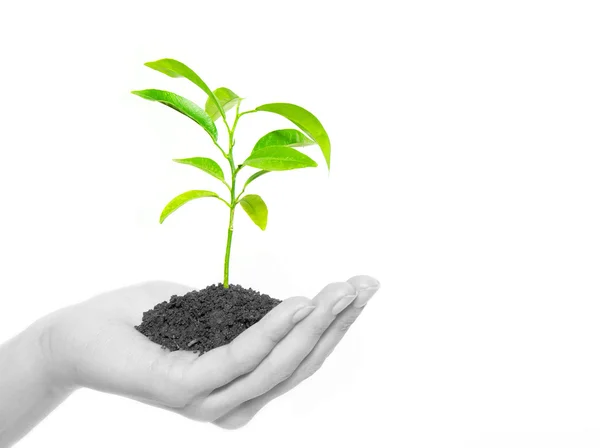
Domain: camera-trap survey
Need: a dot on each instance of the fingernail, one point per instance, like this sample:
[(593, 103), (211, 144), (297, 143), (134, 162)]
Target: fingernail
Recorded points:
[(342, 303), (302, 313), (364, 295)]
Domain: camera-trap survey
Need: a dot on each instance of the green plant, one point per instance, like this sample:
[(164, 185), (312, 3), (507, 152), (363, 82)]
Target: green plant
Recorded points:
[(273, 152)]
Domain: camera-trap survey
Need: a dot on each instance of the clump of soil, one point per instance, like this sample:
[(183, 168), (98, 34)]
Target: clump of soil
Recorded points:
[(202, 320)]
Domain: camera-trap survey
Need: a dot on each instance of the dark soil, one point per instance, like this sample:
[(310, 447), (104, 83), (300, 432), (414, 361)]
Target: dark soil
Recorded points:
[(202, 320)]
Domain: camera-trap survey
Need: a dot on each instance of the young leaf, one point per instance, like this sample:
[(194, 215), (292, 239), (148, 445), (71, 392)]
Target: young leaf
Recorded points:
[(256, 208), (205, 164), (176, 69), (182, 105), (226, 98), (184, 198), (306, 121), (255, 176), (278, 158), (284, 137)]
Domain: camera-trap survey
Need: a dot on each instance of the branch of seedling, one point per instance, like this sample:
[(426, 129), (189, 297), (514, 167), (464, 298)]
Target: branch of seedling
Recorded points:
[(272, 152)]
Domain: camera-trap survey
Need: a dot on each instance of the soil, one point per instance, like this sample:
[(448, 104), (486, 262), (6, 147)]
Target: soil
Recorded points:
[(202, 320)]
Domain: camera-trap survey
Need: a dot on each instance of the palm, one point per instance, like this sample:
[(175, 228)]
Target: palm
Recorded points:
[(97, 346)]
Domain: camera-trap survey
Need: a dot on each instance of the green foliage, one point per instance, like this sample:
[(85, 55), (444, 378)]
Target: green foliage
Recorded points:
[(305, 121), (284, 137), (182, 105), (274, 151), (256, 209), (278, 158), (226, 99), (184, 198), (176, 69), (255, 176), (205, 164)]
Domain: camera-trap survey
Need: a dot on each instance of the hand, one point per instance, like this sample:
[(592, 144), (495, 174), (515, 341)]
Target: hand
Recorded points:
[(94, 344)]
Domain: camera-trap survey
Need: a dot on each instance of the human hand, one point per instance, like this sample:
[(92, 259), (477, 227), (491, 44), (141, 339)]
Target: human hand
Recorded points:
[(94, 344)]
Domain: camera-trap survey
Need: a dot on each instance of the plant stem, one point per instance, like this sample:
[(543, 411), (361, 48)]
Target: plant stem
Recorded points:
[(232, 203), (228, 248)]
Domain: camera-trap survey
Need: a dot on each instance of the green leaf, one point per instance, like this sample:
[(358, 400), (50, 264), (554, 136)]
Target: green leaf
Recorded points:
[(176, 69), (284, 137), (255, 176), (182, 105), (184, 198), (226, 98), (256, 208), (205, 164), (278, 158), (306, 121)]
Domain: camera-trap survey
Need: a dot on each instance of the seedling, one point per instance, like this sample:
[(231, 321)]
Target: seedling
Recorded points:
[(273, 152)]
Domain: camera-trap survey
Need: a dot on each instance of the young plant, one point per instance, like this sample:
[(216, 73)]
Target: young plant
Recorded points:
[(273, 152)]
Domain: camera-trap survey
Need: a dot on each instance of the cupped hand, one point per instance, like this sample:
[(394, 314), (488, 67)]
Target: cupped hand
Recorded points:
[(94, 344)]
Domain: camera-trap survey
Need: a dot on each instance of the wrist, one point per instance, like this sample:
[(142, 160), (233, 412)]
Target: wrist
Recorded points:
[(38, 341), (29, 390)]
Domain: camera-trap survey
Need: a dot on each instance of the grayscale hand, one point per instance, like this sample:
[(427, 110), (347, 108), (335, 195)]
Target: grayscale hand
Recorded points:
[(94, 344)]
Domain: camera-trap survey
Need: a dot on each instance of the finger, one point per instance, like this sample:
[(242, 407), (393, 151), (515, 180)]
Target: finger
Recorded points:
[(366, 286), (224, 364), (283, 360)]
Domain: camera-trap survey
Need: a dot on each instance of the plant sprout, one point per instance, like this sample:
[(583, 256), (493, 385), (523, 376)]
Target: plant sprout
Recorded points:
[(273, 152)]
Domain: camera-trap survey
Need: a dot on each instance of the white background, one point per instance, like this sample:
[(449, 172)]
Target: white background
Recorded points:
[(465, 160)]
